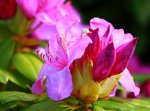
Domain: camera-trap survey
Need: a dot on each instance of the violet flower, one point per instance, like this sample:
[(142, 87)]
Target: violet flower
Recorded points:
[(63, 48)]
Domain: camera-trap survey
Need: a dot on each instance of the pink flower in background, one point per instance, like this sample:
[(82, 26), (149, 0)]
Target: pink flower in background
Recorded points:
[(136, 67), (63, 48), (47, 11), (111, 51)]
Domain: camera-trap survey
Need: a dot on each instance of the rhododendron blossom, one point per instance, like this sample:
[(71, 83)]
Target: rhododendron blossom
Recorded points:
[(113, 50), (63, 48), (104, 63), (47, 11)]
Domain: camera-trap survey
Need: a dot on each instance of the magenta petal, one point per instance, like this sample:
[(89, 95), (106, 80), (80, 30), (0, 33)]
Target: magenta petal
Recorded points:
[(128, 83), (37, 87), (47, 69), (93, 48), (123, 55), (104, 62), (59, 84)]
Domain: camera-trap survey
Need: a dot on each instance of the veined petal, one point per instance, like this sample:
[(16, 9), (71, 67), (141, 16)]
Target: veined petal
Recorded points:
[(59, 84), (78, 48), (127, 82), (123, 55), (103, 63)]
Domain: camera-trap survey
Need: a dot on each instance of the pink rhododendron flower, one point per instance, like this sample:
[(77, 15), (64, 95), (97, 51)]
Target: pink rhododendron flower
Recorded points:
[(136, 67), (110, 52), (63, 48), (47, 11)]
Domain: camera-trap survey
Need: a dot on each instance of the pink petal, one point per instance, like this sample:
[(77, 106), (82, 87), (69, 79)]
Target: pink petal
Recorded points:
[(37, 87), (103, 63), (123, 55), (71, 11), (59, 84), (78, 48), (128, 83), (45, 31), (101, 24), (120, 38), (29, 7)]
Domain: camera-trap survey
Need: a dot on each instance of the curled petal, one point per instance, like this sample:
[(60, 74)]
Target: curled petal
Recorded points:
[(120, 38), (93, 48), (101, 24), (127, 82), (59, 84), (123, 55), (103, 63)]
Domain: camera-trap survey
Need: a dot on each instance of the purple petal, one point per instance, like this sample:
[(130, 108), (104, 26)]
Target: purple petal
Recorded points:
[(123, 55), (127, 82), (47, 69), (59, 84), (104, 62)]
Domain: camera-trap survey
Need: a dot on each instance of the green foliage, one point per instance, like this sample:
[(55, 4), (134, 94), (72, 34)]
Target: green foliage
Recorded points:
[(8, 96), (28, 65), (120, 104), (14, 78), (6, 51), (6, 106), (140, 78)]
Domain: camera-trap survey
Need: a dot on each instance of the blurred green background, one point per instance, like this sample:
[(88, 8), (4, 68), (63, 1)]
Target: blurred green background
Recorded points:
[(131, 15)]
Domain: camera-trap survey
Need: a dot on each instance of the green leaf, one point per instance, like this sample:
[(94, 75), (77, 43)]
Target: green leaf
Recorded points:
[(5, 32), (28, 65), (6, 51), (47, 106), (14, 78), (3, 77), (8, 96), (140, 78), (6, 106), (141, 103), (97, 108), (71, 100)]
